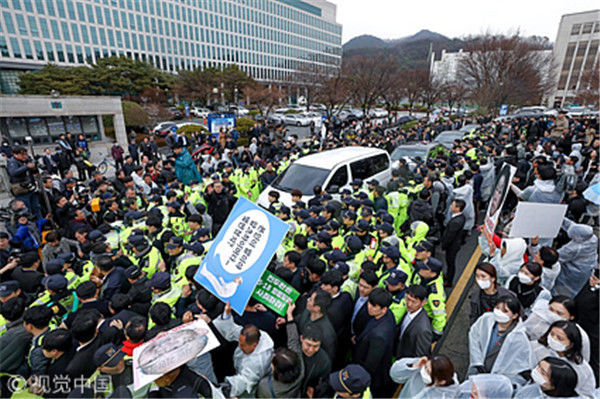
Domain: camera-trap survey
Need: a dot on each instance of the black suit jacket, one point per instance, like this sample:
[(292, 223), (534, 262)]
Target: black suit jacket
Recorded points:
[(361, 319), (340, 312), (416, 340), (373, 351), (454, 233), (82, 363)]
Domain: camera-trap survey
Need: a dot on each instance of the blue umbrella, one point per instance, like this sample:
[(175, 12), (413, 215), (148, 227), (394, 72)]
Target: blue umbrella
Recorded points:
[(592, 194)]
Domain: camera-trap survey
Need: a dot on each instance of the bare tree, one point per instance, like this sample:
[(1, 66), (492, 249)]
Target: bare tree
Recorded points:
[(266, 97), (589, 87), (506, 70), (333, 93), (395, 92), (368, 79), (431, 88), (412, 84), (307, 80), (452, 93)]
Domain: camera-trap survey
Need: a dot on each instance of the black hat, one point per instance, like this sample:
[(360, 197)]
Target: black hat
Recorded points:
[(349, 214), (362, 196), (54, 266), (424, 246), (434, 265), (391, 251), (302, 214), (342, 267), (363, 225), (354, 243), (373, 182), (330, 208), (335, 256), (67, 257), (175, 242), (160, 280), (8, 287), (356, 182), (138, 241), (387, 227), (108, 355), (96, 236), (352, 379), (133, 272), (284, 209), (56, 282), (396, 276), (203, 232), (323, 236), (174, 204), (196, 247)]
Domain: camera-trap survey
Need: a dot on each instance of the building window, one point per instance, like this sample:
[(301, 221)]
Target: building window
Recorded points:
[(38, 50), (33, 26), (17, 127), (10, 27), (575, 29), (587, 28), (37, 128), (50, 51), (597, 27), (56, 126), (60, 52), (21, 24), (14, 43), (27, 49)]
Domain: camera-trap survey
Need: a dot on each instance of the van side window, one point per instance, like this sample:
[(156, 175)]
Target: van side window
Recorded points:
[(339, 178), (379, 163), (361, 169)]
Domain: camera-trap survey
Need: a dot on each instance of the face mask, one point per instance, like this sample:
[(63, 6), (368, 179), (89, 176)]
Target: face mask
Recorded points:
[(484, 284), (523, 278), (553, 316), (500, 316), (555, 345), (537, 377), (425, 376)]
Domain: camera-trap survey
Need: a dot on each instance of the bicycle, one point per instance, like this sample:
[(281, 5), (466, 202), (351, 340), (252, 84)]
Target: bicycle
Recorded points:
[(102, 167)]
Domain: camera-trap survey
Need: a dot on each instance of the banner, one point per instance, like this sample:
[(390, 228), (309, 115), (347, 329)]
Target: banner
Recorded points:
[(240, 253), (274, 293), (170, 350), (216, 122), (503, 109), (534, 219), (503, 182)]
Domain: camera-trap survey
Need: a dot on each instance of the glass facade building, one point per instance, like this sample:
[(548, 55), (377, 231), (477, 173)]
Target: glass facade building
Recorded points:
[(268, 39)]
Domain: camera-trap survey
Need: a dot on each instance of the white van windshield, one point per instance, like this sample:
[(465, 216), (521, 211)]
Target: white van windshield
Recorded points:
[(301, 177)]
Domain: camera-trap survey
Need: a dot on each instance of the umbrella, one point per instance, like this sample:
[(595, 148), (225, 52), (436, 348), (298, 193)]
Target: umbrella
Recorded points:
[(592, 194)]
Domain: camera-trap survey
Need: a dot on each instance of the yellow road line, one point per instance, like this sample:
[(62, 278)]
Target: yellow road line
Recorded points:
[(462, 282)]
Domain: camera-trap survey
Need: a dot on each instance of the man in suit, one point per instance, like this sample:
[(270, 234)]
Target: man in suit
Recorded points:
[(415, 336), (339, 311), (316, 314), (367, 281), (374, 346), (452, 239)]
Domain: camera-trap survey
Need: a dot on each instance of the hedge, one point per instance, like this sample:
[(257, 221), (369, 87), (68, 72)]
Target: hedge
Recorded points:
[(243, 125), (291, 111), (192, 129)]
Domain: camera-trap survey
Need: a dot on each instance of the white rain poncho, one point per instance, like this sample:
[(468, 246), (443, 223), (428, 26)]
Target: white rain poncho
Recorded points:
[(515, 353), (402, 373), (540, 320), (586, 381), (489, 386), (509, 264), (577, 258), (549, 275), (531, 391), (464, 193), (489, 179), (250, 368)]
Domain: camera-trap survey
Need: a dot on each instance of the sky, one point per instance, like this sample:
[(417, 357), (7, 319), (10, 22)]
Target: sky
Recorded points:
[(392, 19)]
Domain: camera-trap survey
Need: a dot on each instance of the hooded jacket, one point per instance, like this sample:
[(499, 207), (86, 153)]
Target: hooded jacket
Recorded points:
[(509, 264)]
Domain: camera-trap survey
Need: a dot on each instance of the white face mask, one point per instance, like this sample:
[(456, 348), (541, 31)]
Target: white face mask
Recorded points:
[(523, 278), (500, 316), (484, 284), (425, 376), (538, 378), (552, 317), (555, 345)]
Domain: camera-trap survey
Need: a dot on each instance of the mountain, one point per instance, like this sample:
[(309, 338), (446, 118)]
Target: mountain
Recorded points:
[(411, 51)]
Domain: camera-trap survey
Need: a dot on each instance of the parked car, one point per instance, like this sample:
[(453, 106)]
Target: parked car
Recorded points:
[(200, 112), (239, 110), (316, 119), (296, 120), (163, 128), (469, 127), (275, 118), (175, 113), (378, 113), (333, 170), (413, 150), (447, 138)]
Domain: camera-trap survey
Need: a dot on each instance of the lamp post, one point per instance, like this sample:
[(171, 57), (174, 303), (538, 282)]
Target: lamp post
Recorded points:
[(215, 92), (222, 94)]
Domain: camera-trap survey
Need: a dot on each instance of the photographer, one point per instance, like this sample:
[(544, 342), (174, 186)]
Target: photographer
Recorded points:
[(21, 169)]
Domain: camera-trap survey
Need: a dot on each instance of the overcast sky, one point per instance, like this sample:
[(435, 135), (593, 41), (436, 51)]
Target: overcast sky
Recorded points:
[(392, 19)]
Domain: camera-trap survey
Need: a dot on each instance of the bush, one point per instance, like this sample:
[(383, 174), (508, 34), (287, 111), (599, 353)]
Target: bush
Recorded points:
[(409, 125), (134, 114), (243, 141), (187, 129), (253, 112), (243, 125), (291, 111)]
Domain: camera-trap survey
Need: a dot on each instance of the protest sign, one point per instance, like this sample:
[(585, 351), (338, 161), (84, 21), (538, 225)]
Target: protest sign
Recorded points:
[(274, 293), (534, 219), (240, 253), (499, 194), (170, 350)]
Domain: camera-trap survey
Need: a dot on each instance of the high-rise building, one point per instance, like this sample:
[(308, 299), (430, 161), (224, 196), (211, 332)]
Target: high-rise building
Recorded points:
[(575, 54), (268, 39), (446, 69)]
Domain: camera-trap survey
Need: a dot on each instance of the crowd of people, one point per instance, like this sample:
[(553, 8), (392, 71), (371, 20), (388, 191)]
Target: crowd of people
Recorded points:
[(93, 266)]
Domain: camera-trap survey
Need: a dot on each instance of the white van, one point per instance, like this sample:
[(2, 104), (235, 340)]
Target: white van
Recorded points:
[(333, 170)]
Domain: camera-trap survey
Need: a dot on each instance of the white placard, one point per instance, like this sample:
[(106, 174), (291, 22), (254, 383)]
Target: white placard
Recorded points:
[(537, 219), (170, 350)]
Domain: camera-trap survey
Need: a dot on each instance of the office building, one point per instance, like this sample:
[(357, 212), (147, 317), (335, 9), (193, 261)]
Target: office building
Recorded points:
[(446, 69), (268, 39), (575, 54)]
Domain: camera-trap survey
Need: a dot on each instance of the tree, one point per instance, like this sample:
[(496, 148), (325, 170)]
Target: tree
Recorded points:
[(333, 93), (395, 93), (505, 70), (308, 79), (196, 85), (235, 81), (266, 97), (412, 83), (589, 87), (452, 93), (430, 90), (367, 79), (68, 81), (134, 115)]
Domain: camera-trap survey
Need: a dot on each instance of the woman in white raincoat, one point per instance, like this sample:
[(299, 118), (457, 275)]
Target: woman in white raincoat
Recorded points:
[(486, 386), (577, 258), (563, 340), (509, 259), (552, 378), (544, 313), (425, 378), (498, 343)]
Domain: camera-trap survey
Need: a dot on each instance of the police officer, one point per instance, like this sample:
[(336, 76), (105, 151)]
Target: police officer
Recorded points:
[(57, 297), (176, 253), (395, 283), (163, 290), (428, 273), (351, 382), (146, 256), (139, 294)]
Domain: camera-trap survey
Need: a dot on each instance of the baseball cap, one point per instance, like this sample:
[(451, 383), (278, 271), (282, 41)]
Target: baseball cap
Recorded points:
[(424, 246), (54, 266), (332, 225), (362, 196), (174, 204), (349, 214), (160, 280), (138, 241), (96, 235), (56, 282), (330, 208), (108, 355), (342, 267), (302, 214), (434, 265), (323, 236), (356, 182), (396, 276), (196, 248), (335, 256), (8, 287), (363, 225), (284, 209), (373, 182), (354, 243), (175, 242), (391, 251), (67, 257), (352, 379), (315, 209), (387, 227), (133, 272), (366, 211), (203, 232), (345, 192)]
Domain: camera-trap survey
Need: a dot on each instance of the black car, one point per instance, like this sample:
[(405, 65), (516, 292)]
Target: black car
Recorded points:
[(175, 113)]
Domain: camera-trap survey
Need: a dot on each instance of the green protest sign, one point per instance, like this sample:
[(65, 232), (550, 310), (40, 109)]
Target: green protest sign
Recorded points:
[(274, 293)]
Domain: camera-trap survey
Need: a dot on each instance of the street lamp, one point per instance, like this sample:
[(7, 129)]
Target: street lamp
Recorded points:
[(235, 94), (222, 93), (215, 92)]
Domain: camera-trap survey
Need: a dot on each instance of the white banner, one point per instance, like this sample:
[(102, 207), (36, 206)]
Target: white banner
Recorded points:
[(534, 219)]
